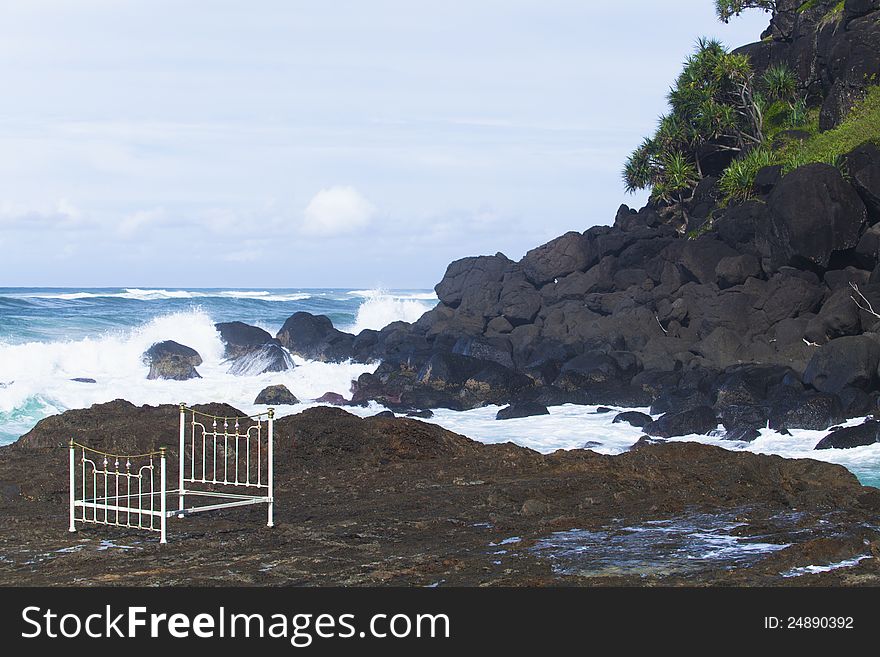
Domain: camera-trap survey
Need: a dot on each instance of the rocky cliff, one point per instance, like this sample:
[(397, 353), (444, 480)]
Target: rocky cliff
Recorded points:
[(766, 313)]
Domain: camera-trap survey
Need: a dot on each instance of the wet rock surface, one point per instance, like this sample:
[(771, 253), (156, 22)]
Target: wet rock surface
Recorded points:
[(277, 395), (171, 360), (397, 501)]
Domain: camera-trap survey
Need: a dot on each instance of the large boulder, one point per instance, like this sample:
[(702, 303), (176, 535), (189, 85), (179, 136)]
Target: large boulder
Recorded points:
[(736, 417), (472, 381), (595, 368), (633, 418), (241, 339), (736, 269), (276, 396), (847, 361), (268, 358), (851, 59), (521, 409), (863, 167), (748, 384), (700, 420), (566, 254), (519, 300), (813, 213), (816, 412), (313, 337), (867, 433), (474, 282), (838, 317), (172, 360)]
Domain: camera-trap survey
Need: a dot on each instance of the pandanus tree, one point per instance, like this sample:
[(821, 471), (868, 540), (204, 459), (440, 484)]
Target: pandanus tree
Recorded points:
[(716, 117), (713, 108)]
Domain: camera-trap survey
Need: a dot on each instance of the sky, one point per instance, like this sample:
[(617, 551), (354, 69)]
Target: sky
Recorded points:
[(331, 143)]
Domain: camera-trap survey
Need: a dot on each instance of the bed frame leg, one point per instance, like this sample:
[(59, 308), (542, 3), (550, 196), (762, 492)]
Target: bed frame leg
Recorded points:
[(271, 513), (162, 495), (180, 500), (72, 527)]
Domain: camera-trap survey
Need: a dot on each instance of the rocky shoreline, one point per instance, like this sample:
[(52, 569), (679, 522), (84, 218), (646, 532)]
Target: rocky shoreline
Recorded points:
[(754, 314), (397, 501)]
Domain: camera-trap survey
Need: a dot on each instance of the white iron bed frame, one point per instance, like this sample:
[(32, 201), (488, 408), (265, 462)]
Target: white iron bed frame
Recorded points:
[(121, 489)]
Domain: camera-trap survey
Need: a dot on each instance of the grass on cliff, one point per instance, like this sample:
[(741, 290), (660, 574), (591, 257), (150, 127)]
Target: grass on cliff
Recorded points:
[(861, 126)]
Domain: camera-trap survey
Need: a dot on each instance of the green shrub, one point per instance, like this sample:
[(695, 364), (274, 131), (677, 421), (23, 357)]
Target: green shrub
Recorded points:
[(738, 180), (780, 82), (860, 126)]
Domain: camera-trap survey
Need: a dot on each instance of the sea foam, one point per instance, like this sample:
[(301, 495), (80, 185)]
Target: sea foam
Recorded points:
[(381, 308)]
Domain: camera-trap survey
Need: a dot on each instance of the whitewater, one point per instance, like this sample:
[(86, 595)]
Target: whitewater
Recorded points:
[(49, 337)]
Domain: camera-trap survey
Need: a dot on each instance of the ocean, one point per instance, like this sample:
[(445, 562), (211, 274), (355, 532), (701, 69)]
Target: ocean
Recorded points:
[(50, 336)]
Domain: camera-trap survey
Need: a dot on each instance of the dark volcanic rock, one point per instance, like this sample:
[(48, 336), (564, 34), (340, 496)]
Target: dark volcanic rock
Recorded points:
[(675, 400), (700, 420), (474, 381), (847, 437), (266, 358), (521, 409), (558, 258), (813, 213), (743, 434), (816, 412), (767, 178), (314, 338), (863, 167), (409, 479), (847, 361), (83, 379), (594, 368), (241, 339), (171, 360), (333, 398), (252, 350), (735, 270), (745, 416), (749, 384), (838, 317), (473, 282), (117, 426), (634, 418), (276, 396)]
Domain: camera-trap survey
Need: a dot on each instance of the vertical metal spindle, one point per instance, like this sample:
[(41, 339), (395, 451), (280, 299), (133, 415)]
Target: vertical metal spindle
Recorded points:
[(116, 476), (72, 527), (271, 520), (94, 492), (128, 492), (106, 494), (162, 495), (152, 493), (180, 473)]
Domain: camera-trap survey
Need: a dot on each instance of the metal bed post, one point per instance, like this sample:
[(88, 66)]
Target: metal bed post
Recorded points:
[(163, 515), (72, 484), (271, 482), (180, 505)]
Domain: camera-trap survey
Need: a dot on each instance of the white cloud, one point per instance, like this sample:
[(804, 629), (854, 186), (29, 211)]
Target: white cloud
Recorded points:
[(60, 214), (135, 221), (336, 211)]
